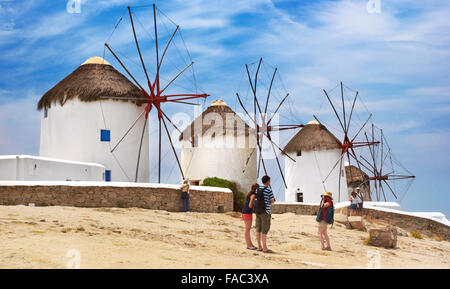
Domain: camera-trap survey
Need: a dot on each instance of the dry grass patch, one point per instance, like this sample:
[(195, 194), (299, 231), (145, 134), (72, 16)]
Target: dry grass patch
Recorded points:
[(416, 235)]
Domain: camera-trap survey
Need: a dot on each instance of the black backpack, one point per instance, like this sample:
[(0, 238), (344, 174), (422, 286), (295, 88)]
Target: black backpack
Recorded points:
[(259, 205)]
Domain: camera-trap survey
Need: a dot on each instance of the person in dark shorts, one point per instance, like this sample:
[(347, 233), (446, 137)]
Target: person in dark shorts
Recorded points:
[(263, 220), (185, 195), (353, 204)]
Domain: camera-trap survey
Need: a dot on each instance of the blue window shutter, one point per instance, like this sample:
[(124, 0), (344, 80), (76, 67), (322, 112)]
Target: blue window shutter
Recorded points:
[(107, 175), (45, 112), (105, 135)]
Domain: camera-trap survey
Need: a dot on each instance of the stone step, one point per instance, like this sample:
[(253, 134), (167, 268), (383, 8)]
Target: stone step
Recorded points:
[(356, 222)]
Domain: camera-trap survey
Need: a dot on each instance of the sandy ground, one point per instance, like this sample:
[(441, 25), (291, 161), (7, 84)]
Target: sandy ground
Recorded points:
[(41, 237)]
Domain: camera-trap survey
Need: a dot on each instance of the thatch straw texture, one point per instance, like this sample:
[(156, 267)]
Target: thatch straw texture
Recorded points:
[(206, 121), (355, 175), (312, 137), (358, 178), (90, 82)]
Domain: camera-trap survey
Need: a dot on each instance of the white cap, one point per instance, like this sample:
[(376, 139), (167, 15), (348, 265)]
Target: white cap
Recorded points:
[(96, 60)]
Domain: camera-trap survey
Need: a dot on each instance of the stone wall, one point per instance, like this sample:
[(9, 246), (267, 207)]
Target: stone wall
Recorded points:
[(407, 222), (299, 209), (203, 199), (424, 226)]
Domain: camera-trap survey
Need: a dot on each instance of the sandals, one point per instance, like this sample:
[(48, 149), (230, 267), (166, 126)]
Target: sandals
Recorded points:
[(261, 250), (252, 248)]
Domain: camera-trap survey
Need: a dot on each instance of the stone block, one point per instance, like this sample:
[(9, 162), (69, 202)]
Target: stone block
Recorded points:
[(386, 237), (357, 222), (340, 218)]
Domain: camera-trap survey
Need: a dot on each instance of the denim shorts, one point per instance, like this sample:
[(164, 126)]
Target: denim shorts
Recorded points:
[(353, 207)]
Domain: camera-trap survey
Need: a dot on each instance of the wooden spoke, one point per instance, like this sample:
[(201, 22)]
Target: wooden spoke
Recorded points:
[(176, 76), (129, 129), (270, 89), (334, 109), (173, 148), (351, 111), (139, 153), (137, 44), (123, 66), (278, 107)]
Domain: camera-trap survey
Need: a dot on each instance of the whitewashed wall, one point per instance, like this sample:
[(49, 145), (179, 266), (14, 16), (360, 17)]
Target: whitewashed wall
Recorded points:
[(218, 157), (307, 173), (72, 132), (31, 168)]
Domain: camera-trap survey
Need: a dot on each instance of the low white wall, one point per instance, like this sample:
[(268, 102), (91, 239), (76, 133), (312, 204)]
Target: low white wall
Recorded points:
[(393, 207), (31, 168), (386, 205), (113, 184)]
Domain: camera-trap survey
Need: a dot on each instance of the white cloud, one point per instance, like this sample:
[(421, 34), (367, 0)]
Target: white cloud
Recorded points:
[(55, 24), (19, 125)]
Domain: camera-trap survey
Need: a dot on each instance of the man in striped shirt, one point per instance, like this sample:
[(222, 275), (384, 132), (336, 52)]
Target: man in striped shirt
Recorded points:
[(263, 220)]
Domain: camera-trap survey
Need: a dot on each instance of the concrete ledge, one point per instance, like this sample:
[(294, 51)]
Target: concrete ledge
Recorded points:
[(108, 184), (405, 220)]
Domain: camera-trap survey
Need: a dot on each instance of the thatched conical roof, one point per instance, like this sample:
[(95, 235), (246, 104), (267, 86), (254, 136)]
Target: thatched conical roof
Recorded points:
[(206, 121), (94, 79), (358, 178), (313, 136), (354, 174)]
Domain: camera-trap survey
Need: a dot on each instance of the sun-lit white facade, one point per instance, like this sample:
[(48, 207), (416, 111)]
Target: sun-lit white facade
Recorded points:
[(213, 154), (314, 172), (88, 131)]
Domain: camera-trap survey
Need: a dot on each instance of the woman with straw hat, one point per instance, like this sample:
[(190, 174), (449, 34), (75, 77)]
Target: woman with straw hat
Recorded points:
[(325, 216)]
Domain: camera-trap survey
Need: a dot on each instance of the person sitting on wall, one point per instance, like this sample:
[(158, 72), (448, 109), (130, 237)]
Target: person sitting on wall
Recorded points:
[(185, 195)]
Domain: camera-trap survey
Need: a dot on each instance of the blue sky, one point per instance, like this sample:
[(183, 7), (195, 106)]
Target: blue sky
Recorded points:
[(397, 59)]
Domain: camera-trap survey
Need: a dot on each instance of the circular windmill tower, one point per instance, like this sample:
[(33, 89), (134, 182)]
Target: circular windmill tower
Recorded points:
[(85, 115), (219, 143), (316, 152)]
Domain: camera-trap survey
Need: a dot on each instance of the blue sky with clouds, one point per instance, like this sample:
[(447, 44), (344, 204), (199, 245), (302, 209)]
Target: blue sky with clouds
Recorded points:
[(398, 60)]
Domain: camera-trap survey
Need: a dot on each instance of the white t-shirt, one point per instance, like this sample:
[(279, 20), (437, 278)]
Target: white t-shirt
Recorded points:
[(354, 200), (359, 198)]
